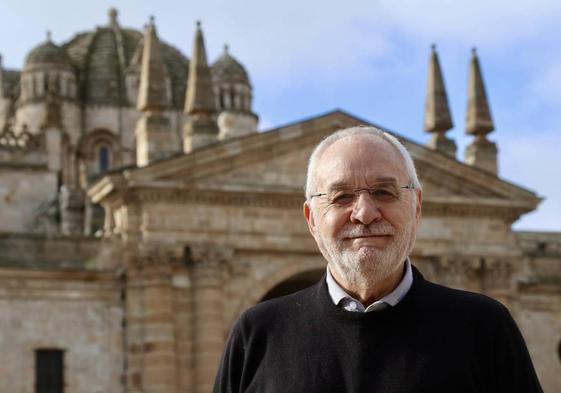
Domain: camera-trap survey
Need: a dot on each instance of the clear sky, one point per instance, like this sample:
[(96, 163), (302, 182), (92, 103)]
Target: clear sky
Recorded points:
[(367, 57)]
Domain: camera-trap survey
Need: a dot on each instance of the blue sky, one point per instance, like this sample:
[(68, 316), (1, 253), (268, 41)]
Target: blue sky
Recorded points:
[(306, 58)]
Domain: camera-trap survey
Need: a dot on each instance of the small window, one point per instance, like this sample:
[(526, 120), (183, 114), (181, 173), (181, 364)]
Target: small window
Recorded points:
[(103, 158), (49, 371)]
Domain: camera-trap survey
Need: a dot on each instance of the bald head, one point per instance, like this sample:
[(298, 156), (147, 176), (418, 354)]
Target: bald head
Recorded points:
[(368, 134)]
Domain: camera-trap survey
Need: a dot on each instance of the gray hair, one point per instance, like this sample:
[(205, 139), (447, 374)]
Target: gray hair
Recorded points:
[(360, 130)]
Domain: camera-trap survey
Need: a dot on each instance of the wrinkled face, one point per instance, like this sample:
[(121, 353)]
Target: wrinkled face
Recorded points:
[(364, 234)]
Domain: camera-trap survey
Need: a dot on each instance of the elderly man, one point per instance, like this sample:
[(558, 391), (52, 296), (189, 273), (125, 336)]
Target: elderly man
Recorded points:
[(373, 323)]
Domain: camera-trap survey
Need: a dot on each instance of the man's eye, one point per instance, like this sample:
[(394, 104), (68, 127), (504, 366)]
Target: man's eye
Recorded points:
[(343, 199), (383, 194)]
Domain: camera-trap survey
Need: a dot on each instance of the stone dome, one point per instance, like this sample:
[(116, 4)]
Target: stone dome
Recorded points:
[(102, 56), (226, 69), (47, 53)]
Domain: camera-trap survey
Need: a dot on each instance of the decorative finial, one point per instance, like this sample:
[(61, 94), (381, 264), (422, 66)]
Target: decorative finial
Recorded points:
[(113, 16), (474, 51), (433, 47), (49, 36), (152, 19), (226, 49), (198, 24)]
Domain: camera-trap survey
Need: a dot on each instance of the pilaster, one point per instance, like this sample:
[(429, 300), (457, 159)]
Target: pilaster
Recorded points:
[(208, 262)]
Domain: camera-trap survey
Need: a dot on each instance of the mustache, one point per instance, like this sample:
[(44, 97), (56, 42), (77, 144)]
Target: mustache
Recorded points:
[(374, 229)]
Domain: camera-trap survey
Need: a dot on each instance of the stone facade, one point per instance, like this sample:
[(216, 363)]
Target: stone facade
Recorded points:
[(137, 269)]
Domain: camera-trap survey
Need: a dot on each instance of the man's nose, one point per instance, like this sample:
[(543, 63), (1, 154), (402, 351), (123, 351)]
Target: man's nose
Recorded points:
[(365, 210)]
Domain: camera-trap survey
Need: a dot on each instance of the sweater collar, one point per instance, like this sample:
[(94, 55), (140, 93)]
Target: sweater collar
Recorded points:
[(342, 299)]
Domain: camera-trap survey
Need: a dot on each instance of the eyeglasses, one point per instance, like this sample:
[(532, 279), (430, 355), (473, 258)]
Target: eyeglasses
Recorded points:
[(381, 193)]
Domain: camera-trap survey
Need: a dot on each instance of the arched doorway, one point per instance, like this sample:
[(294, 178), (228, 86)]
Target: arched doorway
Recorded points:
[(294, 284)]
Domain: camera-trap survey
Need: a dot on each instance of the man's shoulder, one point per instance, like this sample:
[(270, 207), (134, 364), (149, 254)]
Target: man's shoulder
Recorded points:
[(459, 301), (283, 308)]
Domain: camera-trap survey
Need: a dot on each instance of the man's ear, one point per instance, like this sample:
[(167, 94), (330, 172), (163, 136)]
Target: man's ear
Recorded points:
[(309, 218)]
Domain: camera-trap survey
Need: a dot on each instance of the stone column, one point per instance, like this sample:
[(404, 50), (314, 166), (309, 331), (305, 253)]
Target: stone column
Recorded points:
[(160, 368), (151, 336), (134, 328), (208, 262)]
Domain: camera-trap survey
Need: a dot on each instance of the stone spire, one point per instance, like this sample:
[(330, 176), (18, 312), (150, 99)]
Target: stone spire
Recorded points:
[(113, 14), (201, 128), (437, 112), (481, 153), (152, 94), (478, 119), (153, 129)]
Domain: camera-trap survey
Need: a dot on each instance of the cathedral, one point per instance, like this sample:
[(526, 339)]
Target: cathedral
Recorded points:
[(141, 212)]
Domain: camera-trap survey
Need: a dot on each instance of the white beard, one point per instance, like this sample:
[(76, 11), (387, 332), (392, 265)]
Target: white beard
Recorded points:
[(368, 265)]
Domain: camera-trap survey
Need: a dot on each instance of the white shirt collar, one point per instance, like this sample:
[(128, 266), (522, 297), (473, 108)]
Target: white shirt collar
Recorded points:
[(339, 296)]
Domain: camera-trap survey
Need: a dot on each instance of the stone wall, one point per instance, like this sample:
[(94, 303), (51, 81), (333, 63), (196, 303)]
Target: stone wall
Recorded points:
[(78, 313), (23, 191)]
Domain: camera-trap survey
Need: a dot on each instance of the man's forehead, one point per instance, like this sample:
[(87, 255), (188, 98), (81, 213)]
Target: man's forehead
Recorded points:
[(368, 157), (342, 184), (360, 143)]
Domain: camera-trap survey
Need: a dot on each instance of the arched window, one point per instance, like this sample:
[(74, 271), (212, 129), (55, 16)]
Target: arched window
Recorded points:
[(103, 158), (100, 151)]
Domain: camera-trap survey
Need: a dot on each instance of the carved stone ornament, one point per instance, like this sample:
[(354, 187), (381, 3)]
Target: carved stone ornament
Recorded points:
[(24, 140), (208, 262), (159, 256)]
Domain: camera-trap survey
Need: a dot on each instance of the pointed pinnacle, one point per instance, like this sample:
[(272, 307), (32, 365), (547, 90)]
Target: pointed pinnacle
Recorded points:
[(113, 13), (478, 115), (437, 112), (200, 95), (152, 91)]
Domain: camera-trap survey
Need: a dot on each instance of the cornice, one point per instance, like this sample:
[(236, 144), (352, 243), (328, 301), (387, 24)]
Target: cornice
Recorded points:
[(505, 210), (212, 197)]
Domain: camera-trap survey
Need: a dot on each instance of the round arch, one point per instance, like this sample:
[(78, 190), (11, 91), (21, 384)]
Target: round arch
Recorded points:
[(294, 284), (258, 290), (99, 139)]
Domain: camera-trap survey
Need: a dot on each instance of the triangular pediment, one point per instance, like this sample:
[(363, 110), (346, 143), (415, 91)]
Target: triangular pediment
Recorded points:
[(275, 162)]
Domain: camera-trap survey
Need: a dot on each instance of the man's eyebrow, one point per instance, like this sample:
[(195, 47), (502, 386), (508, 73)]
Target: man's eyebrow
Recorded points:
[(339, 186)]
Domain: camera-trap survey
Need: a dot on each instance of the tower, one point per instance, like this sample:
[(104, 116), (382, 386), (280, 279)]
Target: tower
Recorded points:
[(47, 73), (233, 94)]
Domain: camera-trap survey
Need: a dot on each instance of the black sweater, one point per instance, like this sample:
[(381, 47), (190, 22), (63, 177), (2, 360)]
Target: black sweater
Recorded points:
[(436, 339)]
